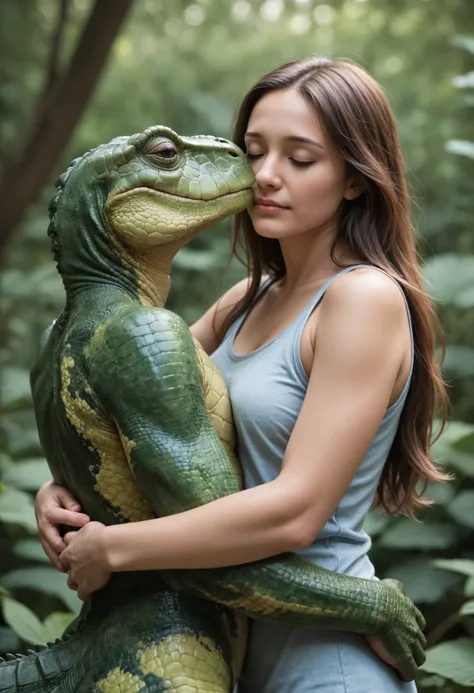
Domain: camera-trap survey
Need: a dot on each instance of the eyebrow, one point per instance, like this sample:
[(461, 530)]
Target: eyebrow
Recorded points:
[(289, 138)]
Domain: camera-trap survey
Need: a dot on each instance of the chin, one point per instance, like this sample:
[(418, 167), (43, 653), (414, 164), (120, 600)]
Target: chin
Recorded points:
[(268, 228), (276, 233)]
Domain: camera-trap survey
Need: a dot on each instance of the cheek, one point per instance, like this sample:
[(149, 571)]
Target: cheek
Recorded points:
[(322, 190)]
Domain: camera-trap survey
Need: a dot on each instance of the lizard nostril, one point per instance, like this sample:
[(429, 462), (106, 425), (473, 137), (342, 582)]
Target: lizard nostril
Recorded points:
[(231, 148)]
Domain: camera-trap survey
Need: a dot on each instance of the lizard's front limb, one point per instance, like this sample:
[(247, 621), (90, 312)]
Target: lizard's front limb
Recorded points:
[(179, 463)]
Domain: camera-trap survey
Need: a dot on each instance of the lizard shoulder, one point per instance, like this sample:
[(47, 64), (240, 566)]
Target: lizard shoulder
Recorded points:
[(139, 346)]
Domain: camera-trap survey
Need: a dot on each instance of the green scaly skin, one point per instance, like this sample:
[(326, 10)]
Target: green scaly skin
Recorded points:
[(121, 387)]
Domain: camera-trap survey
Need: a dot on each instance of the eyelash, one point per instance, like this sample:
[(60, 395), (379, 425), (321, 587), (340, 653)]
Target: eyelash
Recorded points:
[(302, 164)]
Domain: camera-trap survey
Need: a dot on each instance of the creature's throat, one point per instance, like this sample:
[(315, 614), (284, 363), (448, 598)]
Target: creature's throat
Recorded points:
[(149, 270), (148, 227)]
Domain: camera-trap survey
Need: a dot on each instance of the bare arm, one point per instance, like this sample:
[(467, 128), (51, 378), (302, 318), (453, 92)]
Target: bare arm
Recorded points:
[(356, 361)]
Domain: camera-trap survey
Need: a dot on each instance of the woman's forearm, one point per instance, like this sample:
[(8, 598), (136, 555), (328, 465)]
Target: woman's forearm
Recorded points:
[(239, 528)]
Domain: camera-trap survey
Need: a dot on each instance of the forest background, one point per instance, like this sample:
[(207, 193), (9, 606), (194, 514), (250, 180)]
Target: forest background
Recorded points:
[(75, 73)]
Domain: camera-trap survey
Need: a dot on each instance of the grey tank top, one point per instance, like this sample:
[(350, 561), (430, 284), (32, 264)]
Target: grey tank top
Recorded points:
[(267, 388)]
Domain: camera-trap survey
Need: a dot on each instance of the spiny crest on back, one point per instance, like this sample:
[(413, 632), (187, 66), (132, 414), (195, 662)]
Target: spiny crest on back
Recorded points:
[(60, 184), (53, 205)]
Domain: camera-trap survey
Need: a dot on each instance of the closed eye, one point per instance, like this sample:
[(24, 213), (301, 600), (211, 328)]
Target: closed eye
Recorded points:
[(301, 163), (296, 162)]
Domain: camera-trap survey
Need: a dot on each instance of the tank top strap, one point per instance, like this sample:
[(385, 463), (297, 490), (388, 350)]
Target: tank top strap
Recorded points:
[(312, 304)]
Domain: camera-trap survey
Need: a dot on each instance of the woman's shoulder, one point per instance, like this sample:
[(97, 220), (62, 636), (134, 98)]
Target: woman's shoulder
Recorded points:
[(209, 326), (369, 287)]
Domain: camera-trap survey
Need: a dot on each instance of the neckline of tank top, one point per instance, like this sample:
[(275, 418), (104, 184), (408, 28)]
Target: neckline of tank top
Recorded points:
[(237, 325)]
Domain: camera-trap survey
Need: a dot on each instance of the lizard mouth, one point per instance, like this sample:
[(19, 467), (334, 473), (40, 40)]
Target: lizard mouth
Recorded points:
[(176, 197), (144, 216)]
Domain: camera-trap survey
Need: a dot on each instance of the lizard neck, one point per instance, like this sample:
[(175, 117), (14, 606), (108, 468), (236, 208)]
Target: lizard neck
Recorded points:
[(151, 268)]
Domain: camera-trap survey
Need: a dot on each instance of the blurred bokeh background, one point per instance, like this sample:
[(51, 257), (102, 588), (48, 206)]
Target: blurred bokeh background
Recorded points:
[(75, 73)]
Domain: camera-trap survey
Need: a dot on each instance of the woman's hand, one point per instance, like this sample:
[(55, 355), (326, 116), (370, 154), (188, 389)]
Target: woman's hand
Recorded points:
[(55, 506), (84, 559), (380, 651)]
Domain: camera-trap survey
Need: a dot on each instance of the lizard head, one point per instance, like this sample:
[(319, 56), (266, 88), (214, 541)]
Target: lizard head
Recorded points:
[(143, 195), (175, 186)]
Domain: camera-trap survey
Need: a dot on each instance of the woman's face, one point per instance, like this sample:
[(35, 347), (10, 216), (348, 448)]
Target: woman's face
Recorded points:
[(296, 167)]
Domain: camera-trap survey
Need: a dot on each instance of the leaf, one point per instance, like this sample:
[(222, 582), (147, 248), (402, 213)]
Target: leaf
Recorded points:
[(466, 42), (461, 147), (43, 579), (406, 534), (453, 659), (30, 549), (440, 493), (28, 474), (16, 507), (23, 621), (5, 462), (469, 587), (9, 640), (461, 508), (15, 386), (424, 584), (432, 682), (461, 462), (56, 623), (22, 433), (375, 522), (450, 276), (445, 449), (467, 609), (464, 81), (454, 432), (458, 565), (465, 444), (459, 361)]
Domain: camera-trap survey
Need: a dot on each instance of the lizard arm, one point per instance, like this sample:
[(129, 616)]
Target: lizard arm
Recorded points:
[(149, 383)]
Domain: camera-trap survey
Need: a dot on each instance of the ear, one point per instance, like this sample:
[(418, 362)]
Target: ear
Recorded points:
[(354, 188)]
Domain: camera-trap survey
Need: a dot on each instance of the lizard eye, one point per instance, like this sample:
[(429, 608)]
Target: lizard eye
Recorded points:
[(165, 149)]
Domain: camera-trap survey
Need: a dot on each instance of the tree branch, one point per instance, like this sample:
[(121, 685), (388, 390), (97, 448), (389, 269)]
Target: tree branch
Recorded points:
[(55, 122), (53, 63)]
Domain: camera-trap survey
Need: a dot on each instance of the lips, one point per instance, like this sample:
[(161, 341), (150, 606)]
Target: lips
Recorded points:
[(267, 202)]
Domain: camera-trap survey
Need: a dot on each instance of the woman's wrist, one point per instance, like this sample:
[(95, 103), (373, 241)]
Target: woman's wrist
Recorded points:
[(112, 549), (104, 550)]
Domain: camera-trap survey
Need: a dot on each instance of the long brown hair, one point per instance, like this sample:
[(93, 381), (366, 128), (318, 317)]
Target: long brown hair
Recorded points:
[(377, 227)]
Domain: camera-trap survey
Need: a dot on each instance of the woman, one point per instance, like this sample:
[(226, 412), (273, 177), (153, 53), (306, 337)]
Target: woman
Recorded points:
[(333, 399)]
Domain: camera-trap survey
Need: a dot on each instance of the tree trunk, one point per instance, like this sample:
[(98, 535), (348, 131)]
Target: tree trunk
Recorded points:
[(56, 117)]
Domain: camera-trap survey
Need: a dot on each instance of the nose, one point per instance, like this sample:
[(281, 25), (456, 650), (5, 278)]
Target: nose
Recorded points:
[(266, 173)]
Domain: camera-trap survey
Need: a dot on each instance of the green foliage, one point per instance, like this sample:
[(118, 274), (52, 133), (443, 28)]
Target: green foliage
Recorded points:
[(453, 660), (435, 561), (186, 64), (28, 626)]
